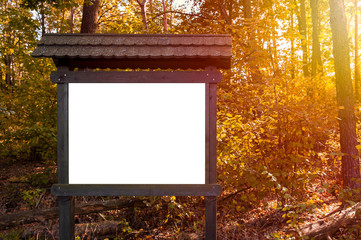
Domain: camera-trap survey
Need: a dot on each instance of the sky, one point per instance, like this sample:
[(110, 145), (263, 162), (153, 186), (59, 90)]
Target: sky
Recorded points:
[(181, 2)]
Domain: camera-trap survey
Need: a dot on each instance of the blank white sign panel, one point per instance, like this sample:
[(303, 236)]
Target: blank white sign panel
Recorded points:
[(137, 133)]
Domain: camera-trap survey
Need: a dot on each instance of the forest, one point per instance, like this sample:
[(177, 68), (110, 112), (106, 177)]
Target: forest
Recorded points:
[(288, 124)]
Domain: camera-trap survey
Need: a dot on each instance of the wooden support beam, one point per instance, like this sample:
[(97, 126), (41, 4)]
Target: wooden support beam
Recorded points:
[(136, 190), (211, 125), (136, 77), (211, 218), (66, 203)]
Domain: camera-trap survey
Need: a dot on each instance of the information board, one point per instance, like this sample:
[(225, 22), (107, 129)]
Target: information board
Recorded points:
[(137, 133)]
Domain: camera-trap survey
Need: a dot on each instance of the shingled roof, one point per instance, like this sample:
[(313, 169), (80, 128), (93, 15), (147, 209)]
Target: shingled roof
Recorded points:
[(136, 50)]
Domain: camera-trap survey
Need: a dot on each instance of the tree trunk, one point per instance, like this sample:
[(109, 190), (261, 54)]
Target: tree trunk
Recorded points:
[(9, 60), (42, 15), (230, 9), (143, 12), (165, 24), (224, 13), (247, 9), (90, 16), (316, 50), (71, 20), (256, 75), (292, 48), (303, 32), (347, 120), (357, 71), (171, 14), (150, 4)]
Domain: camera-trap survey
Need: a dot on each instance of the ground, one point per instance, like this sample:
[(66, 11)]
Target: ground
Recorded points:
[(25, 186)]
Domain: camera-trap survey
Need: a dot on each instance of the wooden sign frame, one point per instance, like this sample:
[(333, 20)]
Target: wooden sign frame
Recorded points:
[(75, 55), (65, 191)]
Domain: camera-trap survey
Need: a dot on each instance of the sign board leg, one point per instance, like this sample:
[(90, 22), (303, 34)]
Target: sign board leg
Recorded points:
[(211, 202), (66, 218), (66, 203), (211, 218)]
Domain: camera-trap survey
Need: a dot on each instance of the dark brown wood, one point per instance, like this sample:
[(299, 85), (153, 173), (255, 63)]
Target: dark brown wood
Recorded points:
[(211, 202), (92, 51), (137, 51), (66, 203), (212, 133), (62, 129), (153, 63), (211, 218), (66, 217), (207, 133), (136, 190), (136, 77)]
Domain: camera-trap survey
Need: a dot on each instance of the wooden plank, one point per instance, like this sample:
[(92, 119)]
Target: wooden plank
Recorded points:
[(207, 133), (212, 133), (136, 190), (147, 63), (66, 204), (211, 218), (136, 76), (66, 218), (63, 132), (211, 201)]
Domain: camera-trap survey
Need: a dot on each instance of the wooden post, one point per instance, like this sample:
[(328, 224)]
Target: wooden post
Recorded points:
[(66, 218), (211, 125), (66, 203), (211, 218)]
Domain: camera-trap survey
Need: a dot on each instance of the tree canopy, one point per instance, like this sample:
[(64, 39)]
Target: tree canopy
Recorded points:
[(287, 109)]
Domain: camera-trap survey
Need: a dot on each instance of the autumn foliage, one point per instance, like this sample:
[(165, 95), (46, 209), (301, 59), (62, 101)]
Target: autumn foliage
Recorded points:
[(278, 116)]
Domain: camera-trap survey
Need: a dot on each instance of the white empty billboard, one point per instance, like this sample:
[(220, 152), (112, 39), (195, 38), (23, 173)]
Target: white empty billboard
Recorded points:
[(136, 133)]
